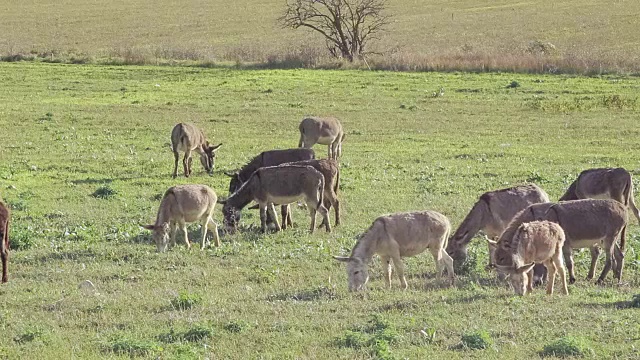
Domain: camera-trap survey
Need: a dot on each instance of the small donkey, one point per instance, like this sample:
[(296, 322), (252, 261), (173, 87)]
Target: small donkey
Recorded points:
[(537, 242), (180, 205), (188, 138)]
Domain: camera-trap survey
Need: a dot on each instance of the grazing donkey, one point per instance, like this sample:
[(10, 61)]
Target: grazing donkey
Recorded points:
[(331, 172), (395, 236), (188, 138), (585, 223), (324, 131), (180, 205), (537, 242), (269, 158), (5, 215), (491, 214), (282, 184), (607, 183)]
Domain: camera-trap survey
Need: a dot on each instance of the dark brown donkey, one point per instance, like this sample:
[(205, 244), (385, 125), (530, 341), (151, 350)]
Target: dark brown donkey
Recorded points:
[(5, 215), (264, 159)]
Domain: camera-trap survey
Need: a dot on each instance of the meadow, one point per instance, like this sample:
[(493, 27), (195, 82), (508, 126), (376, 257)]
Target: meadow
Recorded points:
[(590, 36), (85, 158)]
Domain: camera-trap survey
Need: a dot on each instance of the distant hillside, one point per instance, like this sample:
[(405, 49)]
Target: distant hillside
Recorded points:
[(247, 30)]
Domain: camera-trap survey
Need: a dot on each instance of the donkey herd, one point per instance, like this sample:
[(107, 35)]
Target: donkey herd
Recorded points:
[(529, 237)]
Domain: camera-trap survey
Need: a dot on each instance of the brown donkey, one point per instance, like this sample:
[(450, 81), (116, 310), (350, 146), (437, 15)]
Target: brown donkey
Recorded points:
[(188, 138), (5, 215)]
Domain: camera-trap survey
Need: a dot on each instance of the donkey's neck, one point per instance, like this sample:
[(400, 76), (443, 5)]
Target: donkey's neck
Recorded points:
[(365, 248), (242, 197)]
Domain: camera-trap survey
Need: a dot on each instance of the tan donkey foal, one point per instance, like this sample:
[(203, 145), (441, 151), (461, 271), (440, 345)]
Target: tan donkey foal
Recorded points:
[(180, 205), (537, 242)]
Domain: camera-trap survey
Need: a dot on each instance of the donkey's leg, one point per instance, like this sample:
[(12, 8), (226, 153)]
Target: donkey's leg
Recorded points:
[(176, 157), (214, 229), (325, 217), (312, 213), (183, 225), (334, 148), (559, 264), (284, 210), (437, 257), (568, 260), (272, 211), (386, 266), (397, 262), (448, 262), (205, 228), (595, 252), (551, 277), (263, 216), (618, 256), (186, 162), (608, 248), (173, 230)]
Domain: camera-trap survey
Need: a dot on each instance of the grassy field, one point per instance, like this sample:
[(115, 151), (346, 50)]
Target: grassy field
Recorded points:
[(587, 33), (72, 131)]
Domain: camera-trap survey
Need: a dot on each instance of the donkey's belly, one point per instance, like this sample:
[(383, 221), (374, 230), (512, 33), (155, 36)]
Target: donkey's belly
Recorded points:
[(580, 244), (283, 199)]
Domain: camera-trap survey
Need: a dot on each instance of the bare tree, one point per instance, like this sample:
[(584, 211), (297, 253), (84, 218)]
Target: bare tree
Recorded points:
[(347, 25)]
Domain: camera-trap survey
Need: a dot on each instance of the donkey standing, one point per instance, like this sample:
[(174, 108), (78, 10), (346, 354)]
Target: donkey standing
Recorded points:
[(188, 138)]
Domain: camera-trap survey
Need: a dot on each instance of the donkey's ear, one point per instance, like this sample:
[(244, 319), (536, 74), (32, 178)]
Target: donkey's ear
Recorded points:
[(525, 268), (148, 227), (221, 201), (492, 244), (342, 258), (215, 148)]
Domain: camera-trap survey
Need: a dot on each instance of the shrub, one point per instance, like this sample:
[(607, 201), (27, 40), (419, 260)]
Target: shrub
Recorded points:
[(635, 301), (514, 84), (567, 346), (21, 238), (104, 192), (185, 300), (477, 340), (29, 335)]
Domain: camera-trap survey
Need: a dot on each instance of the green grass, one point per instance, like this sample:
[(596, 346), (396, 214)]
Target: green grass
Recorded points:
[(586, 33), (69, 130)]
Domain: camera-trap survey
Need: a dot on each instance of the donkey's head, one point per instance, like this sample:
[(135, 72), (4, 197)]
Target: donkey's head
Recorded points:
[(208, 156), (160, 235), (518, 276), (357, 272), (231, 217)]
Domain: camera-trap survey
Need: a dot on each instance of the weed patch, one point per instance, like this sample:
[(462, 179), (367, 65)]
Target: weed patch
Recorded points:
[(478, 340), (186, 300), (132, 347), (567, 346), (104, 192)]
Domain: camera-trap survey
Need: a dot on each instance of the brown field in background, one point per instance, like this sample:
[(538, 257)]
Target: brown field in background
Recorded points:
[(589, 36)]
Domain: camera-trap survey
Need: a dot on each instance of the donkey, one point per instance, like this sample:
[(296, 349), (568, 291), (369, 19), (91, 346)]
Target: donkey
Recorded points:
[(491, 214), (282, 184), (5, 215), (180, 205), (264, 159), (188, 138), (324, 131), (605, 183), (395, 236), (331, 172), (585, 223), (537, 242)]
